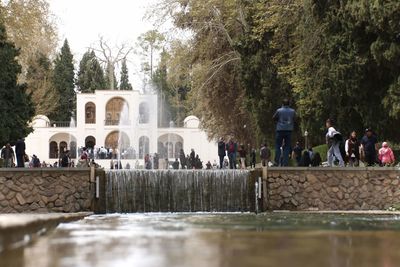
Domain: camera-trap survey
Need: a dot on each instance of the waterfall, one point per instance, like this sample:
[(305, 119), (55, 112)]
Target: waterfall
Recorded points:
[(178, 191)]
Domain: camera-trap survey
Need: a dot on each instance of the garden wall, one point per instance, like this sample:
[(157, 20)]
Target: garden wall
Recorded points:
[(46, 190), (331, 188)]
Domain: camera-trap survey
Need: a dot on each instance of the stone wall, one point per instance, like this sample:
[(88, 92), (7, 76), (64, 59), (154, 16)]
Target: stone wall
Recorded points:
[(331, 188), (45, 190)]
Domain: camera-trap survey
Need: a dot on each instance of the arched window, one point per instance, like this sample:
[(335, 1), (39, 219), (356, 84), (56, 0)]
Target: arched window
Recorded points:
[(144, 146), (170, 149), (90, 142), (72, 149), (144, 113), (178, 147), (53, 150), (90, 113), (114, 109), (117, 140), (63, 147)]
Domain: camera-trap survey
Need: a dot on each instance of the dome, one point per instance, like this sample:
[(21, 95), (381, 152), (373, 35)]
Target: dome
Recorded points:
[(191, 122), (40, 121)]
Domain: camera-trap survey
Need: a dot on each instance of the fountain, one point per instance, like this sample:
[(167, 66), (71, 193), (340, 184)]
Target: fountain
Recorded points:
[(124, 127), (178, 191)]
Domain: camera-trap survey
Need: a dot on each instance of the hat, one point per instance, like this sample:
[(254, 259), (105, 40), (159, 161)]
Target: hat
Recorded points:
[(384, 144)]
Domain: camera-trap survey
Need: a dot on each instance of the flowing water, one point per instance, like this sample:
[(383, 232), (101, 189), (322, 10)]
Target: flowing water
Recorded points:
[(216, 240), (178, 191)]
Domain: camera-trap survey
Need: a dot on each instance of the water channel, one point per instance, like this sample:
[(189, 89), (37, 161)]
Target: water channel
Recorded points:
[(216, 240)]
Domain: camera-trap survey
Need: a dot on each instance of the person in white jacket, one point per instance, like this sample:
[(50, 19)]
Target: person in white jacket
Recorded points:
[(333, 139)]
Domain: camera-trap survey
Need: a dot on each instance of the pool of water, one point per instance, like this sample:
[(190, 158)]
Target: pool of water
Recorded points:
[(214, 240)]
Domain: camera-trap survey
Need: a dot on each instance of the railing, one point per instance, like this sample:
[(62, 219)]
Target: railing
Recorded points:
[(61, 124), (115, 122), (90, 121)]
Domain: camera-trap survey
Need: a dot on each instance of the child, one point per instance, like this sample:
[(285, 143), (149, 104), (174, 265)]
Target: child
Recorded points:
[(386, 155)]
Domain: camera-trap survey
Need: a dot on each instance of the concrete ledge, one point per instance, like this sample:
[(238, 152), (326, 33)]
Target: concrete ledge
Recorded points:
[(44, 169), (19, 229), (334, 169)]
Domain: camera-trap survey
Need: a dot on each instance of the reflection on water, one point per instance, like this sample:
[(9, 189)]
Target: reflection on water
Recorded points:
[(213, 240)]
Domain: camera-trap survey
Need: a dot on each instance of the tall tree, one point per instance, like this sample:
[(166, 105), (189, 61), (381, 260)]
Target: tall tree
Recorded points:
[(30, 26), (110, 78), (40, 86), (63, 80), (150, 42), (124, 83), (15, 104), (90, 75)]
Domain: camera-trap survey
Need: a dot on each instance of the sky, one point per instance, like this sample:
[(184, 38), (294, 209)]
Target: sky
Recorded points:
[(83, 22)]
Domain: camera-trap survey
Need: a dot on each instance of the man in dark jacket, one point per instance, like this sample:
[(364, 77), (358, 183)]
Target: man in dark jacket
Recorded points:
[(20, 152), (284, 118), (221, 152)]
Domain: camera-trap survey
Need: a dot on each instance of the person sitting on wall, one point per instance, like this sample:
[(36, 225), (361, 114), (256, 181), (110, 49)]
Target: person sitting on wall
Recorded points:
[(65, 160), (316, 160), (386, 155)]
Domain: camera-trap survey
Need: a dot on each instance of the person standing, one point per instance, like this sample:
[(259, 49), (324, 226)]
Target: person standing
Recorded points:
[(352, 147), (253, 158), (8, 156), (284, 118), (221, 152), (369, 144), (386, 155), (231, 147), (182, 158), (297, 150), (333, 139), (20, 152), (265, 154)]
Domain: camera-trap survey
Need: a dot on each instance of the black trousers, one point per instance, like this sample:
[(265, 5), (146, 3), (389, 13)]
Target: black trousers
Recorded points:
[(20, 161)]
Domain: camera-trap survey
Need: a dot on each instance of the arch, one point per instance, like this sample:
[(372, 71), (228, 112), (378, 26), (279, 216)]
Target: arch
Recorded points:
[(144, 146), (90, 141), (144, 113), (117, 140), (90, 113), (53, 150), (63, 147), (172, 144), (161, 150), (72, 149), (114, 109)]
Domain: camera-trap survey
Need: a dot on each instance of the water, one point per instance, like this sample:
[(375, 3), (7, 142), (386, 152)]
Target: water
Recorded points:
[(216, 240), (178, 191)]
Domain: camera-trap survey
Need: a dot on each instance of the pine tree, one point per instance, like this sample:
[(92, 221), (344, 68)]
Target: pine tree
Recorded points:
[(124, 84), (15, 105), (91, 75), (109, 77), (63, 80), (40, 86)]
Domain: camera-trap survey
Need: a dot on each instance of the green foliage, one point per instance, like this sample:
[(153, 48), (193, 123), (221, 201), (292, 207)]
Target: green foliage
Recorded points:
[(15, 105), (63, 80), (40, 86), (90, 75), (124, 84)]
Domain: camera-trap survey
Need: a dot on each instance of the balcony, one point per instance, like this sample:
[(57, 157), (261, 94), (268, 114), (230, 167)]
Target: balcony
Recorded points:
[(61, 124), (116, 122)]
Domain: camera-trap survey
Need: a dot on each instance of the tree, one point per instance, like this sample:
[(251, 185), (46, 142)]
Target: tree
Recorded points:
[(15, 104), (150, 42), (90, 75), (110, 59), (63, 81), (30, 26), (124, 84), (110, 78), (40, 86)]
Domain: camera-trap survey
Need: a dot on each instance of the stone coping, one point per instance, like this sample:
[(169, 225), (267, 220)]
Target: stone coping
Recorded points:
[(19, 229), (332, 169), (349, 212), (44, 169)]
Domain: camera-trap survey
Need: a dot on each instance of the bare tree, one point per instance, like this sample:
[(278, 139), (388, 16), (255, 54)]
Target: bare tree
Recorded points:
[(112, 56)]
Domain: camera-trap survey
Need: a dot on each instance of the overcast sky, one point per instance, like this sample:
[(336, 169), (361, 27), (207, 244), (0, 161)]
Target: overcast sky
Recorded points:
[(82, 22)]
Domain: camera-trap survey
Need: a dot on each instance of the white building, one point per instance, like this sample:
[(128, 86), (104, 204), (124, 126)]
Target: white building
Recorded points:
[(124, 121)]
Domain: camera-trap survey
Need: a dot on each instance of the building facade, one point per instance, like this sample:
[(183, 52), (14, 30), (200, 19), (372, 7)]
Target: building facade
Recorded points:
[(120, 124)]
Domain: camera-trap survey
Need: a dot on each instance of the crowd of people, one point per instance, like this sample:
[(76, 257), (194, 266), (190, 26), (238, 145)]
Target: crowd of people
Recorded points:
[(351, 151)]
